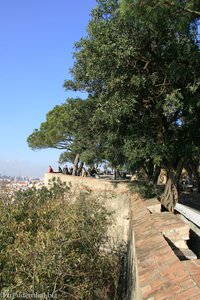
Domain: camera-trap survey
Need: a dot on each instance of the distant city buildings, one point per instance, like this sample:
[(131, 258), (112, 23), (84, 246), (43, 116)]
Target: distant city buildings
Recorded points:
[(16, 183)]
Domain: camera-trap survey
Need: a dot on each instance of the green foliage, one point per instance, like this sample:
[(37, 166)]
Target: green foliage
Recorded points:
[(139, 65), (153, 10), (173, 103), (69, 127), (50, 243), (144, 73), (145, 189)]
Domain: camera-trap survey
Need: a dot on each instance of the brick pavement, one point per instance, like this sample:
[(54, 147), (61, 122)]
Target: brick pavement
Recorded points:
[(173, 228), (193, 267), (161, 274)]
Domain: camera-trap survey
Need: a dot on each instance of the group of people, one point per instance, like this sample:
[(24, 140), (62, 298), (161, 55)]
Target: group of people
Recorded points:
[(79, 172), (65, 170)]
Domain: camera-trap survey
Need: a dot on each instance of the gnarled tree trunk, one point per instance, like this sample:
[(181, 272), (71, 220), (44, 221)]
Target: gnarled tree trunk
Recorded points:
[(170, 196), (171, 193)]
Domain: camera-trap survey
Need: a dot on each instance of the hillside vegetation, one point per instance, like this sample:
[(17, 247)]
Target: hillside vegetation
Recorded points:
[(50, 245)]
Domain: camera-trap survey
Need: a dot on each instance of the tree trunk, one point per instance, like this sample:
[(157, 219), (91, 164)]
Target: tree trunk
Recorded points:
[(114, 174), (171, 193), (198, 185), (192, 165), (170, 196), (79, 170), (150, 172), (75, 166), (156, 174)]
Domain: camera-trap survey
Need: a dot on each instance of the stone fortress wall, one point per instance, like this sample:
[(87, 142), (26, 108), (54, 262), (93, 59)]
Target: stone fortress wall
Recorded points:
[(159, 263)]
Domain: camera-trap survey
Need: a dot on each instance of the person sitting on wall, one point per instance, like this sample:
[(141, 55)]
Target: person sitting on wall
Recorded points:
[(93, 172), (71, 171), (60, 170), (50, 169), (84, 172), (65, 170)]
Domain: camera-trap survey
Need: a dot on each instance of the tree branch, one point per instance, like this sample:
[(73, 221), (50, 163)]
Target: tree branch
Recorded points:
[(183, 8)]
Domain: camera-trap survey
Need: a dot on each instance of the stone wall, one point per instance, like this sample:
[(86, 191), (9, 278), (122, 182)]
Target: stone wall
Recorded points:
[(156, 267), (133, 290), (91, 183), (118, 199)]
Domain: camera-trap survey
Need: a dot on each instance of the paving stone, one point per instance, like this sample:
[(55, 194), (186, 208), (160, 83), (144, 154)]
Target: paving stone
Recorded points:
[(188, 294), (196, 278), (187, 283), (193, 268), (185, 254), (153, 205), (171, 226)]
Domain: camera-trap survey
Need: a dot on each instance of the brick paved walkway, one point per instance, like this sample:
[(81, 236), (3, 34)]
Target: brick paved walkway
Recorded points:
[(161, 274)]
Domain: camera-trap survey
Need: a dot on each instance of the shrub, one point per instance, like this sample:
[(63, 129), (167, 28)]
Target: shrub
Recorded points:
[(50, 245), (144, 189)]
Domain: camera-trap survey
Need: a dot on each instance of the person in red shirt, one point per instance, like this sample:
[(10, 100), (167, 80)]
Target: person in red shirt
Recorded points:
[(50, 169)]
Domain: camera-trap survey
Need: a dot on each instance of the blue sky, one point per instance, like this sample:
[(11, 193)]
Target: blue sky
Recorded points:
[(36, 45)]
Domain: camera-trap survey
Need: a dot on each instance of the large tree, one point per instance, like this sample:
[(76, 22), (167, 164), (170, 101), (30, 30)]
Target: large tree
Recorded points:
[(69, 127), (74, 128), (144, 71), (139, 65)]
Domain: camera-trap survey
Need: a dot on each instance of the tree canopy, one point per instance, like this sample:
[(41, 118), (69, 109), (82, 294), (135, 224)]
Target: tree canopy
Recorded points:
[(139, 64), (67, 127)]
